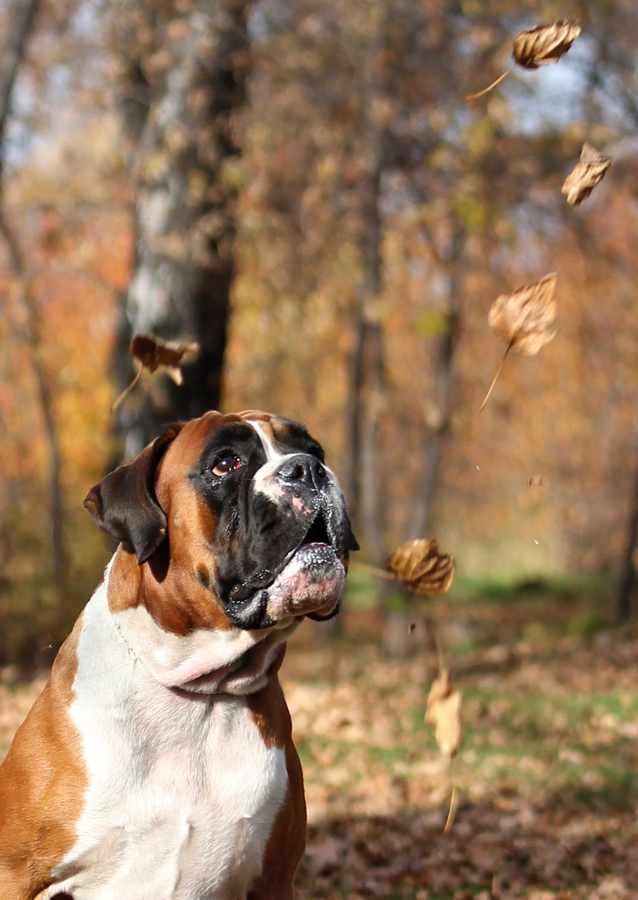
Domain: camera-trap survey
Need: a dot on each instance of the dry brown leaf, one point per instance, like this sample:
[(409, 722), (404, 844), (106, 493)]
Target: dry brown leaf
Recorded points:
[(524, 318), (536, 481), (154, 354), (421, 568), (589, 170), (538, 46), (444, 712), (544, 44)]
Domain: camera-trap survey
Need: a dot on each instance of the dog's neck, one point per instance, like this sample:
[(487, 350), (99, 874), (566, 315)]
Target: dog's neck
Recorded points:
[(205, 659)]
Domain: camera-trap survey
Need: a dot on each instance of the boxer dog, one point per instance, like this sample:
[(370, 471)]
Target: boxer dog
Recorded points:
[(157, 764)]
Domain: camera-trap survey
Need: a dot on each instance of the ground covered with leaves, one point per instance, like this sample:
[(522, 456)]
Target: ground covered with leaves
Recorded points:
[(546, 778)]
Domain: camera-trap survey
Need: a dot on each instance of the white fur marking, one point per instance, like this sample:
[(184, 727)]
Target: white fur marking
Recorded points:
[(183, 792), (264, 480)]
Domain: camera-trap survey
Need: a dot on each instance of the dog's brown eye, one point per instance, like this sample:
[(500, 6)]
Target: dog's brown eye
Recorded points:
[(226, 464)]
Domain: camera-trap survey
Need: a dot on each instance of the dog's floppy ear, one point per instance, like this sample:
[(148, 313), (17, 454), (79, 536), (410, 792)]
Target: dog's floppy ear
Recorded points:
[(124, 504)]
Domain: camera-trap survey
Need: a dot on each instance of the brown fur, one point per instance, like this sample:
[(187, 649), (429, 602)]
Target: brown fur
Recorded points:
[(43, 780), (42, 785)]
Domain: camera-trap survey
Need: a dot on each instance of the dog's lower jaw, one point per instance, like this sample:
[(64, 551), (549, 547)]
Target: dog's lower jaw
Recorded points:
[(246, 675), (311, 584)]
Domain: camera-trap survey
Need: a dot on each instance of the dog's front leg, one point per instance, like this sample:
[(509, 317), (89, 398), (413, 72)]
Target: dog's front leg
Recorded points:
[(287, 840)]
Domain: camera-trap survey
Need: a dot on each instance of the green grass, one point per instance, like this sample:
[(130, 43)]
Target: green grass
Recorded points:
[(532, 590)]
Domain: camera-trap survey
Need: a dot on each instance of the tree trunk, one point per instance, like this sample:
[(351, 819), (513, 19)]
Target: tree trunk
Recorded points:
[(367, 380), (10, 61), (180, 118), (405, 630), (628, 578), (439, 420), (12, 55)]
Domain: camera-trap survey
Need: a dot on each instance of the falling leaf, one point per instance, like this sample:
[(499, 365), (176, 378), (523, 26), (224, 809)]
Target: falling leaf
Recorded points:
[(538, 46), (545, 43), (524, 318), (153, 354), (536, 481), (444, 712), (589, 170), (421, 568)]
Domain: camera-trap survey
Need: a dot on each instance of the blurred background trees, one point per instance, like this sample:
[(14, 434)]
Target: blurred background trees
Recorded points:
[(183, 69), (303, 188)]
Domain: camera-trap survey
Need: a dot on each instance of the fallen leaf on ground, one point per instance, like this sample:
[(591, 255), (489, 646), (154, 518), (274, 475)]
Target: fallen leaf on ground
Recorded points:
[(538, 46), (154, 354), (420, 566), (589, 170), (525, 319)]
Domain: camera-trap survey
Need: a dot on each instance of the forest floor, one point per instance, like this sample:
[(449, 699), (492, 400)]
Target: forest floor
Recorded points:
[(546, 778)]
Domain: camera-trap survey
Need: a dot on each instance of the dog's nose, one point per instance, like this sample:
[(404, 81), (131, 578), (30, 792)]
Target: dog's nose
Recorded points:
[(303, 468)]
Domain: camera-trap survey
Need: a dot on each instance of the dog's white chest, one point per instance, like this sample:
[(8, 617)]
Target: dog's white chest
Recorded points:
[(183, 791)]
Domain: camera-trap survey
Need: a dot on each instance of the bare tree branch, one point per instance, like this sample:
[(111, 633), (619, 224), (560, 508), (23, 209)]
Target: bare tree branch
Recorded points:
[(12, 55)]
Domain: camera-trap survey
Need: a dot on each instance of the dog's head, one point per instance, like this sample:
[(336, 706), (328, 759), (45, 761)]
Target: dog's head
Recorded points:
[(239, 509)]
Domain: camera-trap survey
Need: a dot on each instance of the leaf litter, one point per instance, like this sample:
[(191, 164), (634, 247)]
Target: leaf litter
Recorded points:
[(543, 813)]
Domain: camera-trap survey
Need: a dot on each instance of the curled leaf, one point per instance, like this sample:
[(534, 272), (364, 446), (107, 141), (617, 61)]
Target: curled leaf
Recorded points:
[(589, 170), (421, 568), (153, 354), (525, 319), (544, 44), (538, 46), (444, 712)]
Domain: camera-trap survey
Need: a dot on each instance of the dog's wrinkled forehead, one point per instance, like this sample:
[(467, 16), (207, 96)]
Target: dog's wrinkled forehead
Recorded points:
[(282, 437), (257, 438)]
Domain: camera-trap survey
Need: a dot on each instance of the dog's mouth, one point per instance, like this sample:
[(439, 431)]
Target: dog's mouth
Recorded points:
[(317, 533), (309, 581)]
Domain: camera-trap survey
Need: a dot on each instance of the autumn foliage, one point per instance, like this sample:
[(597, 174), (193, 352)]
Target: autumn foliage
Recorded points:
[(379, 217)]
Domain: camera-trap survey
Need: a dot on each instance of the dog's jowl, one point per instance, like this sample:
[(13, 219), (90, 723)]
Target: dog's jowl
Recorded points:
[(157, 764)]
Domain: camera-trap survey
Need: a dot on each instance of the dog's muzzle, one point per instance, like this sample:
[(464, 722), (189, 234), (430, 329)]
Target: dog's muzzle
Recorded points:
[(310, 576)]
